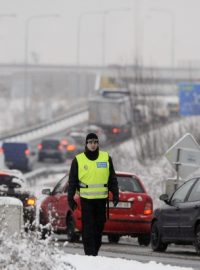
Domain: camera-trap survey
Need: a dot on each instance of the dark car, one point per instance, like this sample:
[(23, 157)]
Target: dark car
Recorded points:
[(132, 216), (19, 155), (13, 184), (178, 221), (51, 149)]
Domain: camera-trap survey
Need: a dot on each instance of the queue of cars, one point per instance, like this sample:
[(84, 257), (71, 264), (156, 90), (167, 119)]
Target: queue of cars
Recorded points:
[(69, 145), (132, 216), (23, 156)]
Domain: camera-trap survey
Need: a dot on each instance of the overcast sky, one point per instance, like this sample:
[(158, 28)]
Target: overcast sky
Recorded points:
[(156, 32)]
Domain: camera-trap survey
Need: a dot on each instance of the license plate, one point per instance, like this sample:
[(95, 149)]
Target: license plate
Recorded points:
[(9, 163), (121, 205), (50, 151)]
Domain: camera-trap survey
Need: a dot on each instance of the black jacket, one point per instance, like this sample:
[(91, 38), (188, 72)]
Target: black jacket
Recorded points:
[(74, 181)]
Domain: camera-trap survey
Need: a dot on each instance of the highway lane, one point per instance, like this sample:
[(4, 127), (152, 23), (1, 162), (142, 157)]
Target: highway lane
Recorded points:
[(128, 248)]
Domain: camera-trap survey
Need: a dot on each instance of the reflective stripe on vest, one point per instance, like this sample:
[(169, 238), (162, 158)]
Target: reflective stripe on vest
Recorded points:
[(92, 185), (93, 176)]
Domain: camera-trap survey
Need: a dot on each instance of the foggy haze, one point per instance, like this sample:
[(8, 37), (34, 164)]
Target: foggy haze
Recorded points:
[(155, 32)]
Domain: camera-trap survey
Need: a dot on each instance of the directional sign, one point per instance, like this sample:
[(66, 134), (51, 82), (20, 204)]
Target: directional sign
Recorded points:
[(184, 156), (189, 99)]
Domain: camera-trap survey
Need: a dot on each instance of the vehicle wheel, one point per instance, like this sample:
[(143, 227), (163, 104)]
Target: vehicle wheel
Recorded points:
[(197, 239), (71, 235), (113, 238), (61, 159), (45, 233), (156, 242), (44, 229), (144, 239)]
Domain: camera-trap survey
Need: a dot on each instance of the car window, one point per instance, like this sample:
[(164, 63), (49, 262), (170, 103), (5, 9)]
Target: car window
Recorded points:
[(10, 181), (180, 194), (60, 186), (79, 140), (195, 193), (50, 144), (129, 184)]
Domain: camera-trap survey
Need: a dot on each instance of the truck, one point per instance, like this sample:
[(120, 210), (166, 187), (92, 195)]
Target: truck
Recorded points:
[(111, 110)]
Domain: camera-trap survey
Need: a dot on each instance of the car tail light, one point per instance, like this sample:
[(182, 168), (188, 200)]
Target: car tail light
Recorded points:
[(64, 142), (71, 147), (148, 209), (116, 130), (40, 146), (60, 147), (31, 201), (1, 150), (27, 152)]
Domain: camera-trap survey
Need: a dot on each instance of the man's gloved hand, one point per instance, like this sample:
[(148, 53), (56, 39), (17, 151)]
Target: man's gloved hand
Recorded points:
[(72, 204), (115, 200)]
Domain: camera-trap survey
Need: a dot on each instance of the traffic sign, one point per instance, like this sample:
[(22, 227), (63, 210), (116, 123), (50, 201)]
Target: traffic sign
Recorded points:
[(189, 99), (184, 156)]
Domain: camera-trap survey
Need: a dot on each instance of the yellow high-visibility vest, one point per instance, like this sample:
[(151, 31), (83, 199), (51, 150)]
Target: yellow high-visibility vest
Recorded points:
[(93, 176)]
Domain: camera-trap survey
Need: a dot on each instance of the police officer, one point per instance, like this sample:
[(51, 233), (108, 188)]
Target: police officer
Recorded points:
[(92, 174)]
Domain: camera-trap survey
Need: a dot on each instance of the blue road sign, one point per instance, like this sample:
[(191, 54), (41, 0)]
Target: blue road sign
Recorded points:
[(189, 99)]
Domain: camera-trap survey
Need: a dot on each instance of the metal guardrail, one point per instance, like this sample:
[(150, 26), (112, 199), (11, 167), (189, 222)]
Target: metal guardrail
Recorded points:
[(72, 118), (31, 177), (80, 108)]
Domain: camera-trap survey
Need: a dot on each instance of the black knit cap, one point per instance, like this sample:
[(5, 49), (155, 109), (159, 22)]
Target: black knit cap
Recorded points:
[(91, 136)]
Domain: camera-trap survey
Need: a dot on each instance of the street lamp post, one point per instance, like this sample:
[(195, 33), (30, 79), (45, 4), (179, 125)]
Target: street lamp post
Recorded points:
[(26, 56), (79, 32), (171, 14), (27, 25), (104, 13)]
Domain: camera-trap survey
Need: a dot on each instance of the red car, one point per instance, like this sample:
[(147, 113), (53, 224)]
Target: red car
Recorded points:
[(132, 216)]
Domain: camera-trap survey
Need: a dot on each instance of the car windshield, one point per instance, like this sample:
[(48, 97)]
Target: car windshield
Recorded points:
[(10, 181), (76, 139), (129, 184), (50, 144)]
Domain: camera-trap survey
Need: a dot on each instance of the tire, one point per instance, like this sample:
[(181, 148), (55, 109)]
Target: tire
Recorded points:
[(197, 239), (40, 159), (156, 241), (44, 229), (113, 238), (71, 234), (144, 239), (45, 233)]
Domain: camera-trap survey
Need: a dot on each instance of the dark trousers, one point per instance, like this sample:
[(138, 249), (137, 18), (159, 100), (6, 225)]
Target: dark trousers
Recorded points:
[(93, 220)]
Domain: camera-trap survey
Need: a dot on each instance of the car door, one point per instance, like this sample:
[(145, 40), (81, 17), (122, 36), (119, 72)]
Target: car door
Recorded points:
[(57, 204), (190, 210), (171, 213)]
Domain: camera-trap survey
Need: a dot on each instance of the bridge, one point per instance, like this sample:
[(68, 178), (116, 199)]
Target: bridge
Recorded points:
[(37, 89)]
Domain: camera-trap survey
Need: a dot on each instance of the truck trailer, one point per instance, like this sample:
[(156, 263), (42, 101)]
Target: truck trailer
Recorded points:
[(112, 112)]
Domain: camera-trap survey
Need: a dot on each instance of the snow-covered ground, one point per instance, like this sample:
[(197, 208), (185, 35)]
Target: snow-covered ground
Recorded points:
[(29, 253)]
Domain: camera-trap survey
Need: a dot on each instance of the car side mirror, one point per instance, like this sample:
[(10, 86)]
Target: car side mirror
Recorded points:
[(164, 197), (46, 191)]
